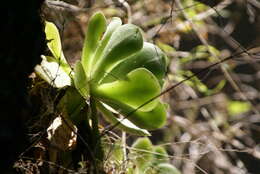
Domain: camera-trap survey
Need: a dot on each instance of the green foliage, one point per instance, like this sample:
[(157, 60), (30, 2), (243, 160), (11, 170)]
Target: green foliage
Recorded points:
[(139, 86), (165, 47), (96, 27), (54, 69), (124, 124), (114, 24), (191, 13), (200, 52), (117, 70), (196, 83), (80, 80), (166, 168), (238, 107), (161, 155), (71, 104), (142, 149), (53, 38), (150, 159), (150, 57), (54, 45), (125, 41), (114, 154)]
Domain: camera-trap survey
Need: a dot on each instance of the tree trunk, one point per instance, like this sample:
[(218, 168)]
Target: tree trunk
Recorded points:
[(22, 43)]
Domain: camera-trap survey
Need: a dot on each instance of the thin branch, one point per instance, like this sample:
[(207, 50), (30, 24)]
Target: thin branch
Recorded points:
[(203, 15), (224, 70), (61, 5), (128, 9)]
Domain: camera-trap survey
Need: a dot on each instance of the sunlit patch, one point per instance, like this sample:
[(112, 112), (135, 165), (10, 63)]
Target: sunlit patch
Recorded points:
[(53, 73), (62, 134)]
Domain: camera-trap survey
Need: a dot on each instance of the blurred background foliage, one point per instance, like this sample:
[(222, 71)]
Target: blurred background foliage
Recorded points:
[(213, 118)]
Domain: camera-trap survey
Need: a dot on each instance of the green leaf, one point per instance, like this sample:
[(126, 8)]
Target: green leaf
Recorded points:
[(150, 57), (166, 168), (71, 104), (54, 44), (160, 156), (124, 125), (148, 120), (80, 80), (53, 38), (138, 87), (113, 25), (142, 153), (114, 152), (125, 41), (51, 71), (96, 27), (118, 152)]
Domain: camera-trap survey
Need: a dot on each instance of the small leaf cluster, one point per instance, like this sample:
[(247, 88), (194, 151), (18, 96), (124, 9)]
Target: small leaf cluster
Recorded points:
[(150, 159)]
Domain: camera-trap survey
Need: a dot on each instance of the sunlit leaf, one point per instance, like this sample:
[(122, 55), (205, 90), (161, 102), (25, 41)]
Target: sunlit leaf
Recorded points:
[(51, 71), (150, 120), (80, 80), (53, 38), (123, 124), (113, 25), (150, 57), (54, 44), (125, 41), (96, 27), (136, 88)]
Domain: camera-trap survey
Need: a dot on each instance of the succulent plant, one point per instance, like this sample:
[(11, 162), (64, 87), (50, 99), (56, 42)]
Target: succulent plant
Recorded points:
[(118, 71)]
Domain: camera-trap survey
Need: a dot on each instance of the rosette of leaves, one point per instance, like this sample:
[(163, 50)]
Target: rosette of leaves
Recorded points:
[(118, 72)]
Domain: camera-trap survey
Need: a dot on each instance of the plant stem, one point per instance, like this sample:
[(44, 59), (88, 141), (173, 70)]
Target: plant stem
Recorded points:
[(96, 141)]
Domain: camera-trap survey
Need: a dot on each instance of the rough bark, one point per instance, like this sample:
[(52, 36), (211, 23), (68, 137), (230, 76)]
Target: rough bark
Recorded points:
[(22, 43)]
